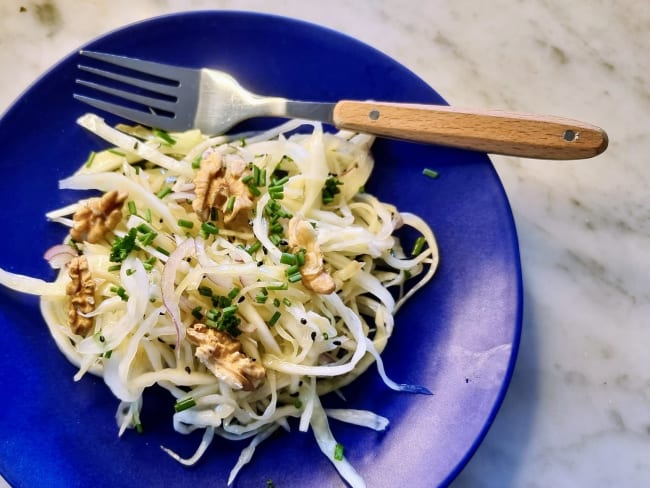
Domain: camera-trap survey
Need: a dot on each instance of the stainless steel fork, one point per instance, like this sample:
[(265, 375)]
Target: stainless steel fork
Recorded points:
[(213, 101)]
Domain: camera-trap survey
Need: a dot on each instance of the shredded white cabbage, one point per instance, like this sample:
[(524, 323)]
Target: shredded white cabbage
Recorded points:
[(182, 272)]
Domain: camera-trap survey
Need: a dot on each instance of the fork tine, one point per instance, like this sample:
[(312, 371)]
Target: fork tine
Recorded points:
[(134, 97), (145, 118), (129, 80), (173, 73)]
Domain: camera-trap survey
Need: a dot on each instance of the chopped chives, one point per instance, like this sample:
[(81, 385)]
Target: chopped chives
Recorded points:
[(283, 286), (188, 224), (231, 310), (144, 228), (281, 181), (196, 313), (117, 152), (277, 195), (430, 173), (300, 257), (130, 271), (253, 248), (132, 208), (254, 190), (261, 298), (184, 404), (256, 175), (418, 246), (205, 291), (161, 134), (276, 302), (294, 277), (407, 274), (233, 293), (275, 239), (262, 179), (247, 179), (274, 318), (115, 267), (91, 158), (286, 302), (276, 228), (162, 250), (287, 258), (297, 403), (108, 354), (196, 164), (147, 215), (164, 191), (230, 204), (209, 228), (338, 452), (293, 269)]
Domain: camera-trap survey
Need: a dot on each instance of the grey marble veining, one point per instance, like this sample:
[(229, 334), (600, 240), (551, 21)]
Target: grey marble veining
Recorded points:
[(578, 410)]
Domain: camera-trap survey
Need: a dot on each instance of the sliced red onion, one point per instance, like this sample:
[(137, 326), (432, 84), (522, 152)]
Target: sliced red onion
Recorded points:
[(184, 249), (59, 255)]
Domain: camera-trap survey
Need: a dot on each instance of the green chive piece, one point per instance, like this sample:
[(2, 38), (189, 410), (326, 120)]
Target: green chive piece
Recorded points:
[(196, 164), (281, 182), (286, 302), (253, 248), (293, 269), (407, 274), (276, 302), (300, 257), (209, 228), (294, 277), (196, 313), (91, 158), (418, 246), (230, 204), (262, 180), (275, 239), (430, 173), (338, 452), (164, 191), (261, 298), (117, 152), (254, 190), (274, 318), (132, 208), (205, 291), (147, 215), (247, 179), (115, 267), (130, 271), (162, 250), (184, 404), (256, 175), (233, 293), (108, 354), (287, 258), (164, 136), (283, 286), (298, 404), (188, 224)]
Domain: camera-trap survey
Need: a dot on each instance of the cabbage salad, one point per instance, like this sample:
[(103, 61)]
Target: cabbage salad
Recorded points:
[(247, 275)]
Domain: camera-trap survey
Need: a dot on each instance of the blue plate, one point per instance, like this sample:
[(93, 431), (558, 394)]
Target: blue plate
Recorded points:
[(458, 337)]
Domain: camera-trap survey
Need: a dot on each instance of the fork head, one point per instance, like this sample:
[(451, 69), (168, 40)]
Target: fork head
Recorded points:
[(152, 94)]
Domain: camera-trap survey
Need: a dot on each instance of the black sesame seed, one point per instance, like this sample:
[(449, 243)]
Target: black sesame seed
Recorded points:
[(313, 336), (303, 321), (188, 370)]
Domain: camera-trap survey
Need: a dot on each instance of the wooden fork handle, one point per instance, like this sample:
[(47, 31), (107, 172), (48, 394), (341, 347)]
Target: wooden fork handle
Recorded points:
[(491, 131)]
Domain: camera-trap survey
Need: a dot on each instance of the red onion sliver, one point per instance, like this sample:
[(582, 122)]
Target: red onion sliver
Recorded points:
[(184, 249)]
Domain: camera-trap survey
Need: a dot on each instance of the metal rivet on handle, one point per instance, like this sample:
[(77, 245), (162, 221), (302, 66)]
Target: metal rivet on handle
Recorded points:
[(373, 114)]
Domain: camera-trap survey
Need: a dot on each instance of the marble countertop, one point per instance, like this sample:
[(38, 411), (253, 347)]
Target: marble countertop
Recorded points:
[(578, 409)]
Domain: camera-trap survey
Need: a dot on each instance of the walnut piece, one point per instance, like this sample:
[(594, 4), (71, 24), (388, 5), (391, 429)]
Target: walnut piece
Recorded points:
[(81, 290), (303, 236), (222, 355), (97, 217), (216, 182)]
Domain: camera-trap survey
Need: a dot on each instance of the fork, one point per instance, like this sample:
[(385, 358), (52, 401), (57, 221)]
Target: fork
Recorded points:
[(213, 101)]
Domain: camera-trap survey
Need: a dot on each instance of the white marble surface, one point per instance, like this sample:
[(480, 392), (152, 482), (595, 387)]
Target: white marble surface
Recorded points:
[(578, 410)]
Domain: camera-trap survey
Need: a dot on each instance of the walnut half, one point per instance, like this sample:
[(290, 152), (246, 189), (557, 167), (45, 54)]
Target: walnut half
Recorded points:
[(97, 217), (222, 355), (81, 290), (216, 183), (314, 276)]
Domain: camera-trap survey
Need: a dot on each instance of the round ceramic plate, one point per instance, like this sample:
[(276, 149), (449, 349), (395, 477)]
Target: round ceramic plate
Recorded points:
[(458, 337)]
